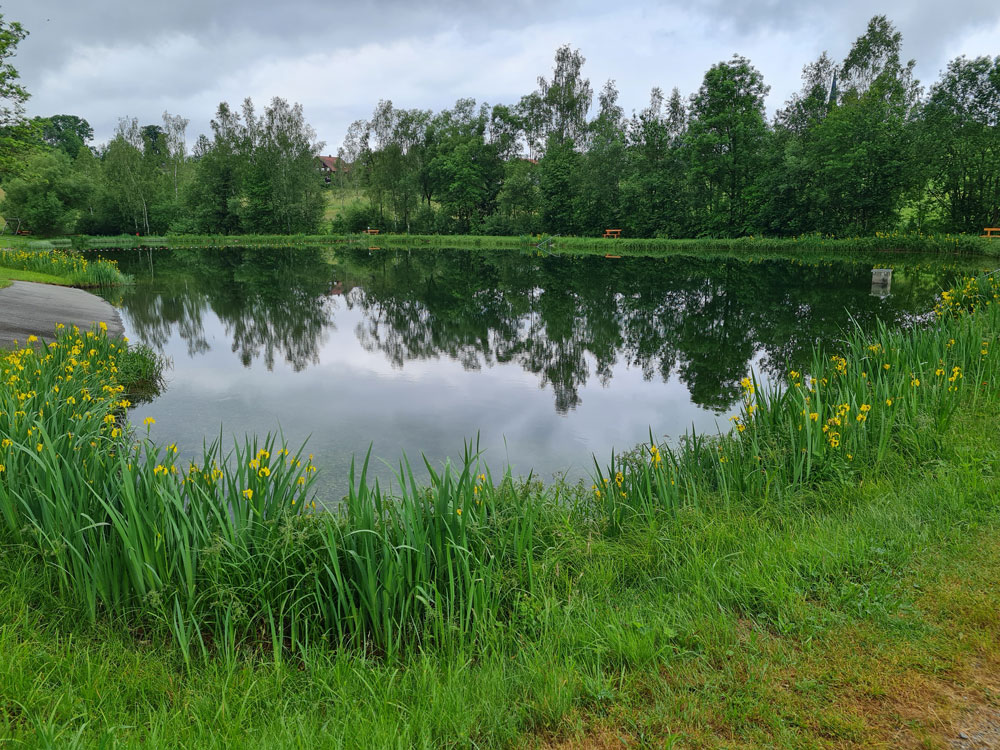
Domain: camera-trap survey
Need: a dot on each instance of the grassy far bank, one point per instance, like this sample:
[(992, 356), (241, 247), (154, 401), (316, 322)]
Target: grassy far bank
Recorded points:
[(753, 246), (704, 594)]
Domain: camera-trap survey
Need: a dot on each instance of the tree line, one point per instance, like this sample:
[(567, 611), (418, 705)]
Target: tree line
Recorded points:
[(861, 148), (255, 174)]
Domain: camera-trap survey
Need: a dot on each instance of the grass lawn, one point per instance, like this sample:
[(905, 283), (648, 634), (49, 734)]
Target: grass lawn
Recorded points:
[(340, 199)]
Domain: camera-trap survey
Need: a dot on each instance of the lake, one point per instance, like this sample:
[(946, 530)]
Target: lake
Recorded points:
[(546, 360)]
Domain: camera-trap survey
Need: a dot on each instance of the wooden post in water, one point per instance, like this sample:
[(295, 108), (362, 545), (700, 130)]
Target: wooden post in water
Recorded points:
[(881, 281)]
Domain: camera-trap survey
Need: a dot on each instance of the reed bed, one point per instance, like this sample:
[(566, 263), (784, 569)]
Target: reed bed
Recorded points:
[(231, 554), (207, 241)]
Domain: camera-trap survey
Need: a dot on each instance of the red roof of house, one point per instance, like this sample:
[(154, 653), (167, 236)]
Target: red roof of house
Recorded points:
[(334, 164)]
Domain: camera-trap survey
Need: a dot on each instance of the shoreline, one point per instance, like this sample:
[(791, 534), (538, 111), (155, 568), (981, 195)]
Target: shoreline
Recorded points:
[(34, 309)]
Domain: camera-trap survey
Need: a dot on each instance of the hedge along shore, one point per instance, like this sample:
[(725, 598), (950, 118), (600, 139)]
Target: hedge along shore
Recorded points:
[(577, 598)]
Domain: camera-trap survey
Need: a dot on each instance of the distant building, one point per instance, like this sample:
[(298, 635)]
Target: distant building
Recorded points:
[(330, 164)]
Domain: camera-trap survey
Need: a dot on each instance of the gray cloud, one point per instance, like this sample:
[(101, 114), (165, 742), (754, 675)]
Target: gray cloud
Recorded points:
[(111, 58)]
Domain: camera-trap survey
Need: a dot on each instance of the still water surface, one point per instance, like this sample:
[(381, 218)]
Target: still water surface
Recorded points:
[(548, 360)]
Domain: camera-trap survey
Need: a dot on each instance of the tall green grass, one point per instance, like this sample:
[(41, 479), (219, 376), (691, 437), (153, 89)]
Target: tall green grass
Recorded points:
[(232, 546), (207, 241), (76, 269), (230, 553), (887, 391)]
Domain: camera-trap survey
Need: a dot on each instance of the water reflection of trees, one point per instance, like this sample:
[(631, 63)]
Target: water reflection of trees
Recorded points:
[(564, 319), (272, 303), (567, 319)]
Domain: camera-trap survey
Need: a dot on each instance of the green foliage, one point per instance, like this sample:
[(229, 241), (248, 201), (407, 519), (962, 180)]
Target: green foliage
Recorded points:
[(518, 199), (356, 219), (959, 136), (132, 177), (556, 186), (48, 195), (602, 169), (654, 193), (67, 133), (281, 190), (726, 135), (563, 102), (12, 94), (18, 138), (855, 151)]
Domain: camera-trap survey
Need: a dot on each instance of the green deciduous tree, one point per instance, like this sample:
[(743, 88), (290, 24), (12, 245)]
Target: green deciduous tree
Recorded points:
[(654, 193), (602, 167), (519, 197), (726, 138), (466, 168), (17, 137), (130, 177), (68, 133), (213, 198), (256, 174), (557, 174), (48, 194), (862, 150), (791, 189), (12, 94), (960, 139), (281, 188), (394, 151), (566, 98)]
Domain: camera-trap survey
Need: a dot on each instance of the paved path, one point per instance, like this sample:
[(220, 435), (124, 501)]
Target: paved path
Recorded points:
[(29, 309)]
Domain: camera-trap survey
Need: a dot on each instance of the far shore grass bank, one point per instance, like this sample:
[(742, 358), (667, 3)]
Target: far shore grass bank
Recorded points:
[(780, 585), (880, 243)]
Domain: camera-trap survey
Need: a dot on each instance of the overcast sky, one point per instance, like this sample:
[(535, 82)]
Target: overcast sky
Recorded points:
[(104, 59)]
